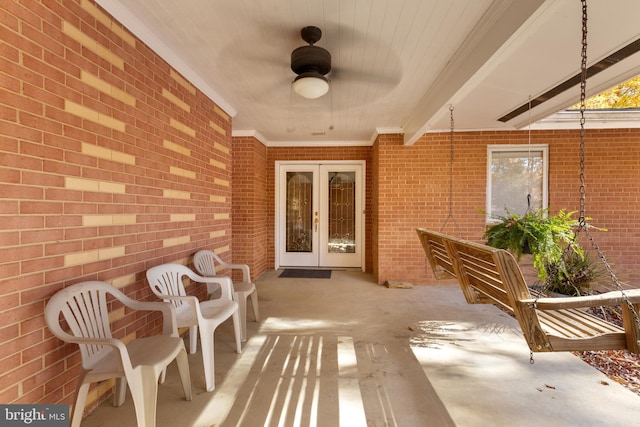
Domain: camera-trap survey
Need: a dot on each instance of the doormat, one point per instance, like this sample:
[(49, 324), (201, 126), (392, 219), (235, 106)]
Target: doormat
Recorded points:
[(306, 274)]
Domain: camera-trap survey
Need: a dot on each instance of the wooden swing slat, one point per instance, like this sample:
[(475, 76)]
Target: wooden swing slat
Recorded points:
[(438, 258), (575, 323), (490, 275), (481, 275)]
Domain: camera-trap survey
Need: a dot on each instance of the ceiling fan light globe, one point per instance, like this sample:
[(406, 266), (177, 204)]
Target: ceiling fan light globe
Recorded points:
[(310, 87)]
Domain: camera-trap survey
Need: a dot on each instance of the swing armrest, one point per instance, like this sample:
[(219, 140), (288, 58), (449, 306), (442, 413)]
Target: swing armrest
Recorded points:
[(612, 298)]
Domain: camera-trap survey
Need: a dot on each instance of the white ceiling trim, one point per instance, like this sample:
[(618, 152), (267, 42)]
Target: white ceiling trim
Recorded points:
[(250, 134), (593, 120), (319, 144), (257, 135)]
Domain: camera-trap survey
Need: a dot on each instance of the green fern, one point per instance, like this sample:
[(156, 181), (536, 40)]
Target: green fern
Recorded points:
[(545, 236)]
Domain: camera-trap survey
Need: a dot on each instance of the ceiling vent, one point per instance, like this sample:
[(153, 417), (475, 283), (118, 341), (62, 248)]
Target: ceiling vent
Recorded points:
[(602, 65)]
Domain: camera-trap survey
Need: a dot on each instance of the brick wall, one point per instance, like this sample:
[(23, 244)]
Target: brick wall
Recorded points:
[(413, 191), (375, 203), (408, 187), (251, 228), (110, 162)]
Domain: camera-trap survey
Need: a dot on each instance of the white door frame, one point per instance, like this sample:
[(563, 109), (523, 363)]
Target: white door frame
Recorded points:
[(360, 203)]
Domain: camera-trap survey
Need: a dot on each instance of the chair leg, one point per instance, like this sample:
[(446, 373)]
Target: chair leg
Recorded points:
[(237, 326), (183, 369), (120, 391), (144, 393), (254, 304), (241, 299), (193, 339), (81, 399), (207, 343)]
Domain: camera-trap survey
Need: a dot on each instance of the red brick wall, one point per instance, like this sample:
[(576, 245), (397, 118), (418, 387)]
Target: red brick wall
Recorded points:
[(251, 228), (413, 191), (110, 162), (375, 207), (408, 187)]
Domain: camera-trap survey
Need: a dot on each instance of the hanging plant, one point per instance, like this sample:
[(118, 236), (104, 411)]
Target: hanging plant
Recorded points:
[(543, 235)]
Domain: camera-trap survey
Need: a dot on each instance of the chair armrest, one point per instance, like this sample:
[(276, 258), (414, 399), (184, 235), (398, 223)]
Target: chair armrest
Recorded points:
[(67, 337), (225, 283), (115, 343), (169, 323), (611, 298), (246, 274), (192, 301)]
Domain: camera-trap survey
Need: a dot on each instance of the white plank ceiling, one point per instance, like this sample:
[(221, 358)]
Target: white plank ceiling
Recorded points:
[(398, 65)]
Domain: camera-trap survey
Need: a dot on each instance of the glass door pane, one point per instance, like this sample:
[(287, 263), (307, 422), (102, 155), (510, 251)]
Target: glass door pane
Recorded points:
[(341, 215), (342, 212), (299, 216)]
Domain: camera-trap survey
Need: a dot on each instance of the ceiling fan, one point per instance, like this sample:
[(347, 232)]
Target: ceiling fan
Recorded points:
[(311, 64)]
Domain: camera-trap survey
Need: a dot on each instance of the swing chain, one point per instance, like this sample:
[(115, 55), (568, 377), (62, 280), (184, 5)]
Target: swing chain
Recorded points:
[(553, 269), (451, 158), (582, 220), (532, 310), (583, 94)]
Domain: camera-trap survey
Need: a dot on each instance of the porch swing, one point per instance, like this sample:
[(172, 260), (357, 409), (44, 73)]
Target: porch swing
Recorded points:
[(491, 275)]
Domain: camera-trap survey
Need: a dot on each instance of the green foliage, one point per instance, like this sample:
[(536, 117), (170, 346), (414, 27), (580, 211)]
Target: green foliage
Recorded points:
[(625, 95), (572, 274), (544, 236), (558, 258)]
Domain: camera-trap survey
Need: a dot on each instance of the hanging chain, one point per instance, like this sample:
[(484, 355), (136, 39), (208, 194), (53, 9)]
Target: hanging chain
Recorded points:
[(553, 269), (532, 314), (582, 224), (583, 94), (451, 157), (529, 161)]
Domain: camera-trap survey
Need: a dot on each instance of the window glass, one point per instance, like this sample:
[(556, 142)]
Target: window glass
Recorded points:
[(516, 178)]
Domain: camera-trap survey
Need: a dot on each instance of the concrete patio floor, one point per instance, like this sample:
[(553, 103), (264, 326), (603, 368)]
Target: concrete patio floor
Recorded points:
[(348, 352)]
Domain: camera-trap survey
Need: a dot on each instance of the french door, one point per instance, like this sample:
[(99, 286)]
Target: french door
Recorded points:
[(319, 214)]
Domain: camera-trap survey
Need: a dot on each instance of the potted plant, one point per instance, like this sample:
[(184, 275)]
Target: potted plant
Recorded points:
[(537, 232)]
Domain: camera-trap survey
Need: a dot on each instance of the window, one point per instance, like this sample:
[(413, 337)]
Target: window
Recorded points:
[(515, 172)]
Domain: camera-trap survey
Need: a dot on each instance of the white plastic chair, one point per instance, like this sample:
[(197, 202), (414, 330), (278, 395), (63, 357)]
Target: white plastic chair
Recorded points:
[(166, 282), (205, 263), (140, 363)]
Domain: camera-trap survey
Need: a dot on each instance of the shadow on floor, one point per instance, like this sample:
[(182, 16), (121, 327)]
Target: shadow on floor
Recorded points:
[(349, 352)]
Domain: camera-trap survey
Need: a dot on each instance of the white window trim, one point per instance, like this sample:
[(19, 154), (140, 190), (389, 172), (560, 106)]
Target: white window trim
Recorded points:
[(524, 148)]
